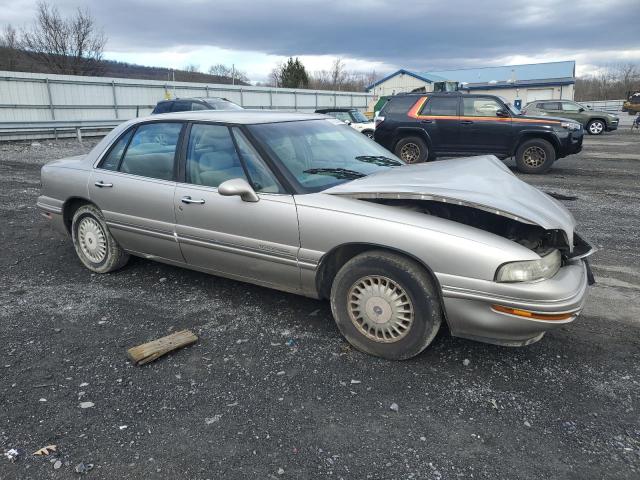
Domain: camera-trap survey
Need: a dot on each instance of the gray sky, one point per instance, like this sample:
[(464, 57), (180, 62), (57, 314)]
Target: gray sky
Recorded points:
[(368, 34)]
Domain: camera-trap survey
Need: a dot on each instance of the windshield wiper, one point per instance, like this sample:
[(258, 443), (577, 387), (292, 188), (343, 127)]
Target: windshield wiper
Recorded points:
[(379, 160), (341, 173)]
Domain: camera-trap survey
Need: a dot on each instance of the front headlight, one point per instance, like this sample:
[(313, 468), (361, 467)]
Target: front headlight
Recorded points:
[(572, 126), (530, 270)]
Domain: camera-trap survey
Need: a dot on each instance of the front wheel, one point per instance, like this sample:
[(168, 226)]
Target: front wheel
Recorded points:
[(595, 127), (386, 305), (368, 133), (535, 156), (412, 150), (95, 246)]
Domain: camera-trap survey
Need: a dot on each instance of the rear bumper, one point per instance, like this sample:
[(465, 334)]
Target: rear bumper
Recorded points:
[(51, 209), (472, 311)]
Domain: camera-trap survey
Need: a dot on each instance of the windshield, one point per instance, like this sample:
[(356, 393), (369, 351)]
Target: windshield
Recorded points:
[(358, 117), (319, 154)]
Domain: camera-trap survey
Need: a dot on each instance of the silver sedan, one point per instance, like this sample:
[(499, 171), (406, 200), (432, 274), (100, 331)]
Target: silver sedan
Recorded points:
[(305, 204)]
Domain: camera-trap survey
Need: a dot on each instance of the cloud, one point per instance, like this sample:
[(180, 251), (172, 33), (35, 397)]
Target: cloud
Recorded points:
[(419, 35)]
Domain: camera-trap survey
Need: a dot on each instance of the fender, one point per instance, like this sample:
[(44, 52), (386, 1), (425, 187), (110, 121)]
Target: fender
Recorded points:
[(402, 132)]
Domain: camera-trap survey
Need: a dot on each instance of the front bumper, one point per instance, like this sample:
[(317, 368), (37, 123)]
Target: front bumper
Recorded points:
[(612, 125), (470, 305), (573, 143)]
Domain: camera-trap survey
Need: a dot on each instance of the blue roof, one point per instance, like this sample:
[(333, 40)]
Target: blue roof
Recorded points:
[(531, 71)]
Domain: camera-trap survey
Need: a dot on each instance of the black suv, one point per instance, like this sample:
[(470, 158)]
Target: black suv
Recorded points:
[(417, 127), (188, 104)]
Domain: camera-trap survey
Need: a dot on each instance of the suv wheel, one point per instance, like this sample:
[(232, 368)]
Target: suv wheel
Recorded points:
[(535, 156), (595, 127), (386, 305), (412, 150)]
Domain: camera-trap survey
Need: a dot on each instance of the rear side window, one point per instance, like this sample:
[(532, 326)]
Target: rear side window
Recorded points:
[(398, 105), (152, 150), (162, 107), (112, 160), (181, 106), (199, 106), (211, 156), (441, 106)]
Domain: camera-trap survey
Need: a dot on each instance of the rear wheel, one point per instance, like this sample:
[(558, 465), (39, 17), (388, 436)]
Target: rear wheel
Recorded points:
[(386, 305), (595, 127), (412, 150), (368, 133), (535, 156), (95, 246)]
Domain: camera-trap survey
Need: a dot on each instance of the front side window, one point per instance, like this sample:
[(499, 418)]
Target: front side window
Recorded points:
[(223, 105), (342, 116), (198, 106), (151, 152), (358, 117), (551, 106), (441, 106), (318, 154), (480, 106), (181, 106), (262, 179), (162, 107), (571, 107), (211, 156)]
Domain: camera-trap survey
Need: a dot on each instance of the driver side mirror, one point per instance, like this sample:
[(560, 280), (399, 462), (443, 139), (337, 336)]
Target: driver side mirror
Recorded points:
[(238, 187), (348, 122), (502, 113), (581, 109)]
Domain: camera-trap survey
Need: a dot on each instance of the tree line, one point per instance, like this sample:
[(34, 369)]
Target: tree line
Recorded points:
[(613, 83)]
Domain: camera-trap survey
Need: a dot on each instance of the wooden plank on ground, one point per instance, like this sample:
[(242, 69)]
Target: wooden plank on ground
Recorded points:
[(148, 352)]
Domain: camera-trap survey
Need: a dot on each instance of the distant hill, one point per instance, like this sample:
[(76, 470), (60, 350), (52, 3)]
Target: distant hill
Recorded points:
[(14, 61)]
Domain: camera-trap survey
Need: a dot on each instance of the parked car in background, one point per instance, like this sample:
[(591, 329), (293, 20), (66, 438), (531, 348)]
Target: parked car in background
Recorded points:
[(419, 127), (353, 117), (191, 104), (593, 121), (305, 204), (632, 104)]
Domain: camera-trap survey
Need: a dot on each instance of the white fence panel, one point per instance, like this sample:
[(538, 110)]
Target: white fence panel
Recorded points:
[(30, 97)]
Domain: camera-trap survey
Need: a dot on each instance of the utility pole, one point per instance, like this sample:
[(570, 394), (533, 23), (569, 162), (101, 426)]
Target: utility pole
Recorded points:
[(233, 74)]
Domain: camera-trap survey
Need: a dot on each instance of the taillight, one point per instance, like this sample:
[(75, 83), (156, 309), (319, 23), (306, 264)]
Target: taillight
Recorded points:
[(378, 121)]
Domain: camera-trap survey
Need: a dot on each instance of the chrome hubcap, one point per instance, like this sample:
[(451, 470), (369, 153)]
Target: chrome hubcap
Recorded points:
[(380, 309), (92, 240), (596, 127), (410, 153), (534, 156)]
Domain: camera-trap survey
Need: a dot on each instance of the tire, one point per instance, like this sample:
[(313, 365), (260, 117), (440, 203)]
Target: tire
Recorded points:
[(596, 127), (535, 156), (412, 150), (95, 246), (378, 271), (368, 133)]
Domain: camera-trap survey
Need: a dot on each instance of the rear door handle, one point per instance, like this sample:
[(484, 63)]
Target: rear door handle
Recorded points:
[(101, 184), (188, 199), (466, 122)]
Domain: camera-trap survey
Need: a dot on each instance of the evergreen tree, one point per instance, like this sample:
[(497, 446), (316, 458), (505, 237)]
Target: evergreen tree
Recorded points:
[(293, 74)]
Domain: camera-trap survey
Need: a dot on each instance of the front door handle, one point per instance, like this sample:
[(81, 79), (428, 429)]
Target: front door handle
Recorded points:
[(101, 184), (466, 122), (188, 199), (426, 121)]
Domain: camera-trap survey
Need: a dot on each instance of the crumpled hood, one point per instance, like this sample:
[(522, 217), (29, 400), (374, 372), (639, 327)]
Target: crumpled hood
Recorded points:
[(482, 182)]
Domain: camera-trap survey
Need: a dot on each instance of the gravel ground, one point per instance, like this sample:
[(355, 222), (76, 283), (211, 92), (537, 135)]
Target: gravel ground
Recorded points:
[(271, 390)]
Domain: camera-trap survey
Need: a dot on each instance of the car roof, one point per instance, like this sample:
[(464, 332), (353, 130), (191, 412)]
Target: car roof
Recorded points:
[(321, 110), (193, 99), (240, 117)]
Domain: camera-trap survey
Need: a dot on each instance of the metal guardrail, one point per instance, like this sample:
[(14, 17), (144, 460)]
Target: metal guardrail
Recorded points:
[(56, 126), (613, 106)]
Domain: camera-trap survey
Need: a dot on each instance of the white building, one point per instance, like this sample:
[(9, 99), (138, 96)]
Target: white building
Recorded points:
[(519, 84)]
